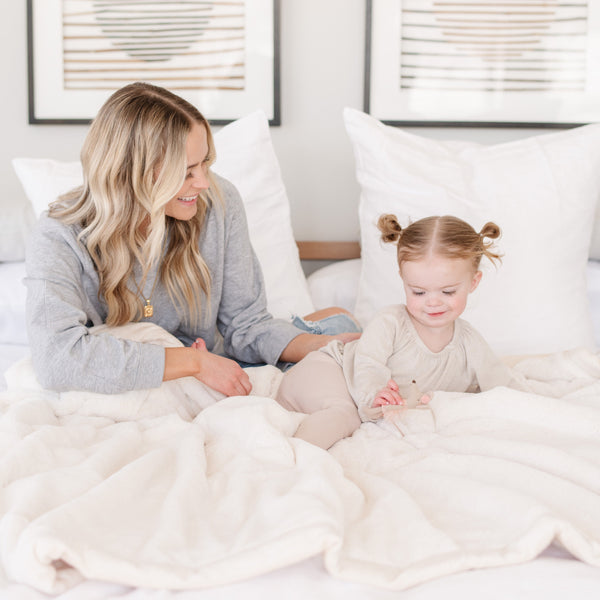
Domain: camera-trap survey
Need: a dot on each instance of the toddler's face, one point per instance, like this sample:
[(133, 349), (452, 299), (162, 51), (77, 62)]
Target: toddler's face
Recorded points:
[(437, 288)]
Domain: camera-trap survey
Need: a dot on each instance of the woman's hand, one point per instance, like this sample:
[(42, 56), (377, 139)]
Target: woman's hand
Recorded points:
[(388, 395), (220, 373), (217, 372)]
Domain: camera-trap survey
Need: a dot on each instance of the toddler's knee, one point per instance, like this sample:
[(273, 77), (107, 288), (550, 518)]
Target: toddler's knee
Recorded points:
[(347, 419)]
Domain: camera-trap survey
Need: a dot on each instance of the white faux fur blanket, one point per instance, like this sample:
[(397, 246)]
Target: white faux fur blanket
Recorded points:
[(176, 488)]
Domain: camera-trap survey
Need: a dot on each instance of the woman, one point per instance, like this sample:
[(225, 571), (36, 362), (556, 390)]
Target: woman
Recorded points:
[(151, 235)]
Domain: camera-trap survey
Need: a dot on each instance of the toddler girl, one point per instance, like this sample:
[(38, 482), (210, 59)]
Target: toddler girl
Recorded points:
[(422, 343)]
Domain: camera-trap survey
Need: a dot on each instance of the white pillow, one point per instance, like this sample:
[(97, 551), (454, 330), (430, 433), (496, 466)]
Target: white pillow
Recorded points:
[(16, 220), (335, 284), (246, 157), (542, 192), (44, 179), (12, 303)]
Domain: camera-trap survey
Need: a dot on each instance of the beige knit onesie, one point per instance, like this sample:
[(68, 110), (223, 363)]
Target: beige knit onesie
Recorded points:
[(334, 385)]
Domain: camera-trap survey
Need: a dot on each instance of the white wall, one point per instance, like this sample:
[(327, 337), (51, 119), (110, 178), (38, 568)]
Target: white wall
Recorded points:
[(322, 47)]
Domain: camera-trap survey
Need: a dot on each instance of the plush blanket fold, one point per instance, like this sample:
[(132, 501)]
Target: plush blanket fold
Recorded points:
[(178, 488)]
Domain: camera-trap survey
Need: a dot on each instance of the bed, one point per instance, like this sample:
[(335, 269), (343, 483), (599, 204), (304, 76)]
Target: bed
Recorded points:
[(171, 494)]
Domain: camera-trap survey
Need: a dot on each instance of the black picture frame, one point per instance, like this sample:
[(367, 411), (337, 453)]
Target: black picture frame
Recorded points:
[(228, 92)]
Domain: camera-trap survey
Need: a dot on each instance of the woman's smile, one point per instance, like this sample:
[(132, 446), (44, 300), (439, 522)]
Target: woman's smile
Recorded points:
[(188, 199)]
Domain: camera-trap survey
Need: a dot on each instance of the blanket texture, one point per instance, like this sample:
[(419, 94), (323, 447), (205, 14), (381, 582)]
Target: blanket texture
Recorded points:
[(180, 488)]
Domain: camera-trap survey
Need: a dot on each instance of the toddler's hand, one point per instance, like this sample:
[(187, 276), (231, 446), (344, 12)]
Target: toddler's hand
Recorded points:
[(388, 395)]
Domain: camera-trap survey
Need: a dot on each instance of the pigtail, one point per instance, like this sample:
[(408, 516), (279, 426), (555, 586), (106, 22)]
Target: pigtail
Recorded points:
[(492, 232), (390, 229)]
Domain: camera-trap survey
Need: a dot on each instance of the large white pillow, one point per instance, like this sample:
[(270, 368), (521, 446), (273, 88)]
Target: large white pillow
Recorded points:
[(45, 179), (246, 157), (16, 220), (336, 284), (542, 191), (13, 328)]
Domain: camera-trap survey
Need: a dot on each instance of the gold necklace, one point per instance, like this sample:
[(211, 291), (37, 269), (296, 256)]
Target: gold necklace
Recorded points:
[(148, 309)]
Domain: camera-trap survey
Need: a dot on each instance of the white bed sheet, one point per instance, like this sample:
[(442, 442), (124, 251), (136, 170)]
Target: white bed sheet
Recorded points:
[(553, 575), (593, 277)]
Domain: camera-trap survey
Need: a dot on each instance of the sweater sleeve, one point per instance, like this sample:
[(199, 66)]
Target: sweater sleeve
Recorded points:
[(249, 331), (62, 304), (490, 371), (367, 364)]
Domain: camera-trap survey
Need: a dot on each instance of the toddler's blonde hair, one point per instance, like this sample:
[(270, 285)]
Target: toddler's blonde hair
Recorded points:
[(446, 236)]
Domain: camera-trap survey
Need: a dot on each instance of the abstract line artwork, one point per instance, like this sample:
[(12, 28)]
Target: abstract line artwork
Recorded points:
[(519, 45), (177, 44), (483, 62), (220, 55)]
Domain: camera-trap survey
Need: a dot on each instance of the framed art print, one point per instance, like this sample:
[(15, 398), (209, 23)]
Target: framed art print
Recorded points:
[(519, 63), (221, 55)]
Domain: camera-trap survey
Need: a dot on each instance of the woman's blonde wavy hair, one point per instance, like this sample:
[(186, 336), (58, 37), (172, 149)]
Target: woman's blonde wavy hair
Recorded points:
[(134, 162), (446, 236)]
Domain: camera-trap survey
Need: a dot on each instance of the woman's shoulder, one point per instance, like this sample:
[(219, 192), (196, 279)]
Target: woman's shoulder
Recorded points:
[(227, 191), (53, 240), (50, 228), (227, 201)]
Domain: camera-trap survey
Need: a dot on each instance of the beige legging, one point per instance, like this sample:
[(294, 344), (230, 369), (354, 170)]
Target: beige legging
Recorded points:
[(316, 386)]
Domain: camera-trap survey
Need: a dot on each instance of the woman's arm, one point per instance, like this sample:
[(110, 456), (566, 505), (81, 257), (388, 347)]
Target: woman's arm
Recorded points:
[(304, 343), (238, 297), (62, 306), (250, 333)]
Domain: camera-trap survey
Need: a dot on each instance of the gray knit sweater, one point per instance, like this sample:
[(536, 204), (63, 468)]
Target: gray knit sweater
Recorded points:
[(63, 303)]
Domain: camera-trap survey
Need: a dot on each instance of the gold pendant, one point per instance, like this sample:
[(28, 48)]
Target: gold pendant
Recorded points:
[(148, 309)]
